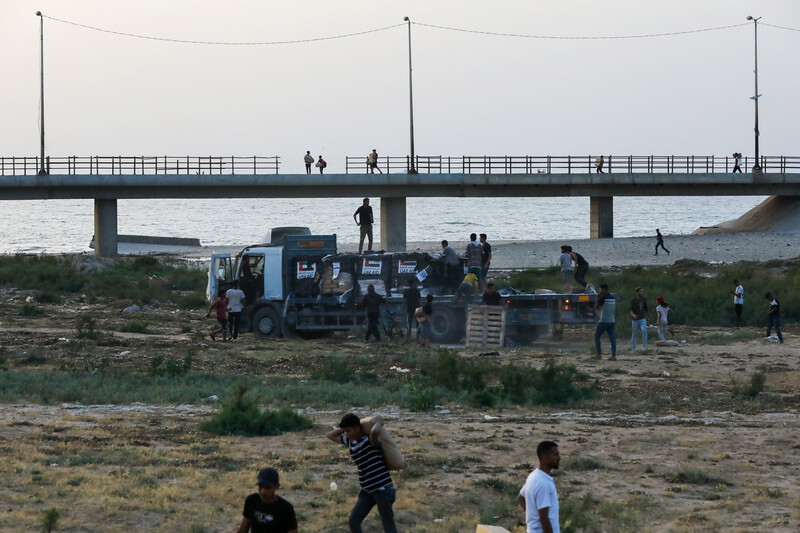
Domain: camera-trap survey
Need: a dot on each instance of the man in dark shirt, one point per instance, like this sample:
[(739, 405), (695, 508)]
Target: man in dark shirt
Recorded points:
[(487, 255), (372, 304), (491, 296), (774, 316), (639, 317), (373, 475), (411, 299), (453, 270), (265, 511), (364, 220)]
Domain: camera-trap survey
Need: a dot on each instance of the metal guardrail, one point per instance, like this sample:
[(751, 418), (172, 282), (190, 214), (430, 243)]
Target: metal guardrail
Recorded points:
[(247, 165), (647, 164), (11, 166)]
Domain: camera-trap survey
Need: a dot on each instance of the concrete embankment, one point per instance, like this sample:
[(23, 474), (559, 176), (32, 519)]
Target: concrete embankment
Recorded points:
[(776, 214)]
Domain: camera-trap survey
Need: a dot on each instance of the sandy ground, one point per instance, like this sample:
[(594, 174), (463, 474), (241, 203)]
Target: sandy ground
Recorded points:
[(514, 255)]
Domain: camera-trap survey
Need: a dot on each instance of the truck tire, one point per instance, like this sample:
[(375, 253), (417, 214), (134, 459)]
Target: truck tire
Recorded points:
[(447, 325), (524, 335), (267, 323)]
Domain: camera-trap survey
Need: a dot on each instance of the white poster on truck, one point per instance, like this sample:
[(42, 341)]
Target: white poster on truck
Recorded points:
[(371, 267), (306, 269)]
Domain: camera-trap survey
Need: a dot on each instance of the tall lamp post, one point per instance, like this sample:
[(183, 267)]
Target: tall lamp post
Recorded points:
[(412, 169), (757, 165), (43, 167)]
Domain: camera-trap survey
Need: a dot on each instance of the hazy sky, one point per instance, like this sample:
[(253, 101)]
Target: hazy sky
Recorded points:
[(474, 94)]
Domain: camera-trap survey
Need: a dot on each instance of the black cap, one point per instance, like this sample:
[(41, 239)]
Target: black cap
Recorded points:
[(267, 477)]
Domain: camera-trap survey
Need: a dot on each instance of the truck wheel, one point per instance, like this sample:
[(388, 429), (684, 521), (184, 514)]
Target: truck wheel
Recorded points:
[(447, 325), (267, 323), (523, 335)]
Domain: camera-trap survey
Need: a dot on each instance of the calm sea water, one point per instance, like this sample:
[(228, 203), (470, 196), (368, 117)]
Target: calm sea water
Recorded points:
[(54, 226)]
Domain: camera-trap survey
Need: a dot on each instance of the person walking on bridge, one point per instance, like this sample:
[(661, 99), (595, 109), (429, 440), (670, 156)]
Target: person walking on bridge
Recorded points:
[(598, 163), (364, 220), (309, 160), (372, 162), (737, 163), (321, 164)]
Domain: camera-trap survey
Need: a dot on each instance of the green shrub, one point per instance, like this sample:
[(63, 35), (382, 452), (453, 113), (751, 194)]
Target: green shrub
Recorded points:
[(86, 326), (50, 520), (48, 297), (30, 310), (694, 476), (754, 387), (134, 326), (582, 463), (241, 416), (164, 367), (421, 396), (192, 300)]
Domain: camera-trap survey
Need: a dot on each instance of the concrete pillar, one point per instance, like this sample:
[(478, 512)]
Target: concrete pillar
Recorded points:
[(601, 217), (105, 227), (393, 224)]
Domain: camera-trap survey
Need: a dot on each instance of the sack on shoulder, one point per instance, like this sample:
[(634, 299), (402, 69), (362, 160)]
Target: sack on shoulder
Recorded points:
[(391, 453), (420, 315)]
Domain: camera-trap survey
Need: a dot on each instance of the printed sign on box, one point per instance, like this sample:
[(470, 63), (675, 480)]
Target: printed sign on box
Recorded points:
[(306, 269), (406, 267), (371, 266)]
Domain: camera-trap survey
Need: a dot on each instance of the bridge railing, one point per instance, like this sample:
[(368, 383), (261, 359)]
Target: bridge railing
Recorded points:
[(118, 164), (568, 164)]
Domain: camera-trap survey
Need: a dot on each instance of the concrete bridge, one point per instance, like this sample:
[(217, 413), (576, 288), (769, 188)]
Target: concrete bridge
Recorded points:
[(393, 188)]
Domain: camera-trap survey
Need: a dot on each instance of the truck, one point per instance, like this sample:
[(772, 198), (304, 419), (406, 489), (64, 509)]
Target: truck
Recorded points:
[(301, 285)]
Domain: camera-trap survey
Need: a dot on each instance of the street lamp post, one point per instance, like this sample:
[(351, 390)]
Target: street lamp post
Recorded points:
[(43, 166), (757, 165), (412, 168)]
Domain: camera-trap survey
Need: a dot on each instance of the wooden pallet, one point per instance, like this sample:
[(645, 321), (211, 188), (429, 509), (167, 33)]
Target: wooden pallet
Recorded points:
[(486, 325)]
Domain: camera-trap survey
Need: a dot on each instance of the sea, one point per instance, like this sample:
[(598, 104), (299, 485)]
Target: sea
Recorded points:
[(67, 226)]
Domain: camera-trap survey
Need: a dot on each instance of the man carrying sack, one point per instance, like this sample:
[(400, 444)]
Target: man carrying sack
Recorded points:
[(368, 443)]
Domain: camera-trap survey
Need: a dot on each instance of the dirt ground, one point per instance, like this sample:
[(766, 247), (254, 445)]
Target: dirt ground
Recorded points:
[(665, 447)]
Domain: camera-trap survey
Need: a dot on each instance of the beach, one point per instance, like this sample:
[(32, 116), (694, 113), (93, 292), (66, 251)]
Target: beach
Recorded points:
[(623, 251)]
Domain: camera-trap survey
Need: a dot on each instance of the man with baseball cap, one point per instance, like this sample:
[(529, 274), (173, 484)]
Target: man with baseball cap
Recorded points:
[(265, 511)]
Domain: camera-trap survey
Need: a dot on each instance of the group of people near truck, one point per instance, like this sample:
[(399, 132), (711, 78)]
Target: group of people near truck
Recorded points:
[(228, 308)]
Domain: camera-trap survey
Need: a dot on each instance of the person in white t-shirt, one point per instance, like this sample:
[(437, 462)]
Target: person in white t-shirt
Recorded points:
[(538, 497), (235, 299), (662, 312), (738, 300)]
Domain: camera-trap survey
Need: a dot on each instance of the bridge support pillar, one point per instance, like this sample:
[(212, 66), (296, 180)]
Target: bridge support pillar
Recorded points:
[(393, 224), (601, 217), (105, 227)]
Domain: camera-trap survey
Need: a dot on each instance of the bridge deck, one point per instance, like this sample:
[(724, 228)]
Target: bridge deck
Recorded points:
[(393, 185)]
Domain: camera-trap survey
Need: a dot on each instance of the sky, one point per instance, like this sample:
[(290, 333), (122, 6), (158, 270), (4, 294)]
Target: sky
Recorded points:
[(474, 94)]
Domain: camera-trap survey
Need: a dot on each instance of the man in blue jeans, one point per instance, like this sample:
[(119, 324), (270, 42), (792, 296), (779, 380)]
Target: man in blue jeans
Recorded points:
[(639, 317), (607, 305), (373, 475)]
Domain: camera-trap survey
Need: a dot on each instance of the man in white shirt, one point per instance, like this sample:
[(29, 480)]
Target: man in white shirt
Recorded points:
[(738, 300), (235, 299), (538, 497)]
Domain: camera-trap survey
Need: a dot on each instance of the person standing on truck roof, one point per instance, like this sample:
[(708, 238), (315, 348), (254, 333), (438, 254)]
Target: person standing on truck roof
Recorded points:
[(452, 265), (411, 299), (607, 305), (235, 299), (581, 267), (373, 474), (486, 256), (566, 267), (309, 160), (364, 220), (372, 303)]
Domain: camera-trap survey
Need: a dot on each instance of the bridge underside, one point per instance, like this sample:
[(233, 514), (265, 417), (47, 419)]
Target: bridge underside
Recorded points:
[(393, 189)]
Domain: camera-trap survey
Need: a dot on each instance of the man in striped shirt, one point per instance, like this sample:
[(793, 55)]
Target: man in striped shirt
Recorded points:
[(373, 476)]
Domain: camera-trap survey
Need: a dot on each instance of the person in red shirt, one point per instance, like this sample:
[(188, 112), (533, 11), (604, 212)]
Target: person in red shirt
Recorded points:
[(221, 305)]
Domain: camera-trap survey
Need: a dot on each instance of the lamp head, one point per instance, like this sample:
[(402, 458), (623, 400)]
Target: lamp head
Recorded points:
[(749, 17), (38, 13), (406, 19)]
